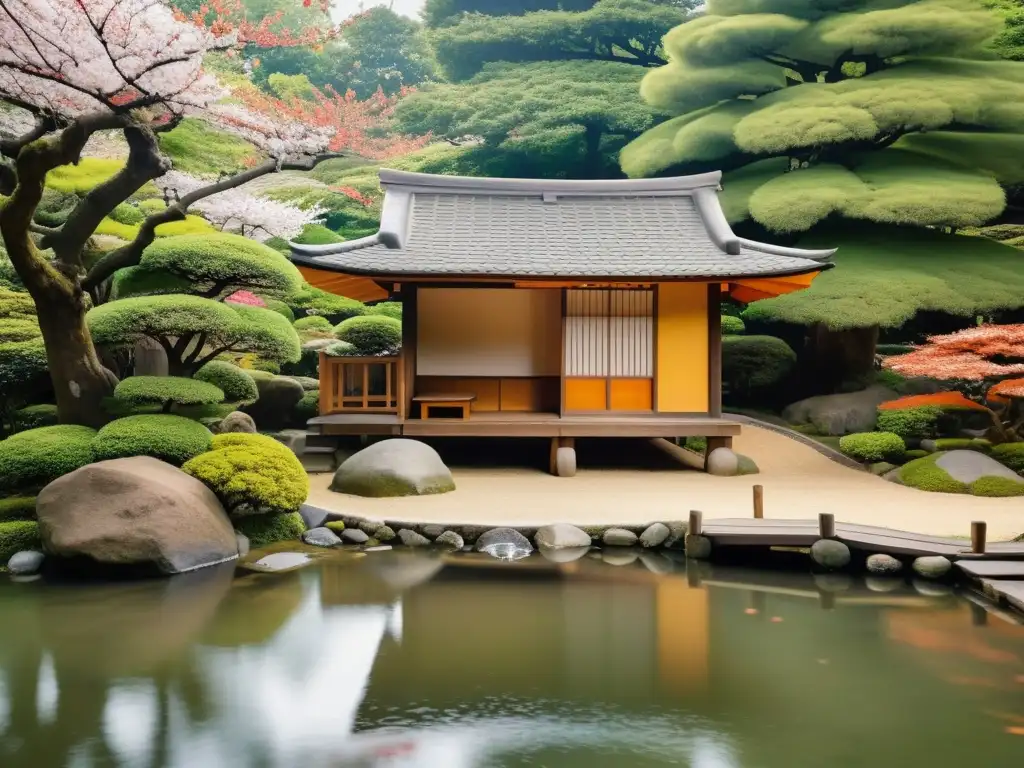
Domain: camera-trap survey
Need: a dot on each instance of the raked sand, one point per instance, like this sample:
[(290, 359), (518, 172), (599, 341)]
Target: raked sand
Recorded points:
[(798, 482)]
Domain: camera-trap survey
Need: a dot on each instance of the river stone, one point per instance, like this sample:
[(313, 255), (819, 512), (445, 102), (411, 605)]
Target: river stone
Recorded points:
[(384, 533), (561, 536), (884, 565), (321, 537), (654, 535), (243, 544), (656, 562), (25, 563), (882, 584), (932, 566), (237, 421), (395, 467), (563, 554), (314, 517), (135, 511), (278, 396), (619, 556), (449, 539), (830, 554), (369, 527), (504, 543), (722, 462), (840, 414), (293, 439), (280, 562), (676, 534), (354, 536), (968, 466), (432, 530), (697, 547), (619, 537), (412, 539)]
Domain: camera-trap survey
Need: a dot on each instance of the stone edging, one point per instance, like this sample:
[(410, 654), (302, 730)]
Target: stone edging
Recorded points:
[(810, 442)]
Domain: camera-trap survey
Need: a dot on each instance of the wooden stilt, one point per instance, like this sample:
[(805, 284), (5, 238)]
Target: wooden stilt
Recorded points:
[(758, 502)]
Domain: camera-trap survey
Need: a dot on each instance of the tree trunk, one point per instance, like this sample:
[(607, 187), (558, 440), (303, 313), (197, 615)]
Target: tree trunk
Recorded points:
[(80, 382), (838, 359), (150, 359)]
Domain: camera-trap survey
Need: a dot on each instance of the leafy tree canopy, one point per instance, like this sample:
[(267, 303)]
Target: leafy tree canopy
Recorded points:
[(439, 12)]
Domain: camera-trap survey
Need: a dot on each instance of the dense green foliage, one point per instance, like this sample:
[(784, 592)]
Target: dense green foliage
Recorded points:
[(276, 305), (308, 407), (33, 416), (166, 391), (211, 265), (264, 530), (174, 439), (31, 459), (237, 385), (313, 323), (22, 355), (201, 150), (17, 508), (962, 444), (732, 326), (917, 423), (17, 536), (870, 447), (54, 207), (371, 334), (252, 470), (751, 363), (319, 302), (924, 474), (1011, 455)]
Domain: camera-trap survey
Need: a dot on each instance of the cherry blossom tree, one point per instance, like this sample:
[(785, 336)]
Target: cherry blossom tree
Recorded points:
[(81, 67), (987, 354)]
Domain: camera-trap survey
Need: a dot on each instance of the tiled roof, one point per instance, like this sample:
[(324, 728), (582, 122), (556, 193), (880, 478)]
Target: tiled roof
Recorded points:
[(659, 228)]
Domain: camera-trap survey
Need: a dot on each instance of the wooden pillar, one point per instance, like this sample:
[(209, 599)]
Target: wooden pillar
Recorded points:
[(758, 502), (827, 525), (409, 335), (979, 533), (714, 349), (327, 385)]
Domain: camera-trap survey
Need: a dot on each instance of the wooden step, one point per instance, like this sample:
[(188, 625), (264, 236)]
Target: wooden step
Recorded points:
[(1011, 570)]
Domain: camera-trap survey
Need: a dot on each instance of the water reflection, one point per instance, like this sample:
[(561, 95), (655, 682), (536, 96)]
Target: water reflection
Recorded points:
[(401, 659)]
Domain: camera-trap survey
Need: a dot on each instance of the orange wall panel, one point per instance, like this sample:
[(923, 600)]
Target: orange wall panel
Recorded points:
[(631, 395), (586, 394), (683, 355)]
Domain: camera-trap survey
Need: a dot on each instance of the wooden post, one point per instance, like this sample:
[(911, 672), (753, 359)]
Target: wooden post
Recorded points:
[(696, 526), (979, 532), (827, 525), (979, 616), (827, 600), (758, 502)]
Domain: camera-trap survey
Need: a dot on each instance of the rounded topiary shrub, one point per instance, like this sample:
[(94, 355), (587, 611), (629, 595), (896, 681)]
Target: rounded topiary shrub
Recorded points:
[(308, 407), (173, 439), (1010, 455), (31, 459), (387, 309), (16, 536), (918, 423), (341, 349), (127, 214), (732, 326), (997, 487), (871, 447), (35, 416), (167, 391), (276, 305), (252, 470), (751, 363), (236, 384), (371, 334), (263, 530), (312, 323)]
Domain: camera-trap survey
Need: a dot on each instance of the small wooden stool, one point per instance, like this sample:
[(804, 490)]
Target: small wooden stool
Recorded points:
[(428, 402)]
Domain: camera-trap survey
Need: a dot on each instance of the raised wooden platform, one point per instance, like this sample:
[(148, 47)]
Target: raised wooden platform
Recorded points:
[(524, 424)]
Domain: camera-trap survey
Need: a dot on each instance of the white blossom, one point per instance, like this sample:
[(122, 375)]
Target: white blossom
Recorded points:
[(238, 211)]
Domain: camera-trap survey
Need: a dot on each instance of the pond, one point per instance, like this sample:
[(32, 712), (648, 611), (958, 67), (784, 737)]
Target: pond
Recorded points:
[(398, 659)]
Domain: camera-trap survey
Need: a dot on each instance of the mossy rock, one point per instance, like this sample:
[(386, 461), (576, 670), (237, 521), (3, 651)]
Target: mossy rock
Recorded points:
[(881, 468), (263, 530), (396, 467), (746, 466), (18, 535), (956, 444), (1010, 455), (967, 472), (336, 525)]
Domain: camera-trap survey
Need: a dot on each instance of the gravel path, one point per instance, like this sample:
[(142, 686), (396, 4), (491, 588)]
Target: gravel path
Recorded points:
[(799, 482)]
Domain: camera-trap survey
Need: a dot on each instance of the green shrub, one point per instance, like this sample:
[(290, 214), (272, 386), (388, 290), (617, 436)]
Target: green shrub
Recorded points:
[(83, 176), (258, 376), (698, 444), (149, 207), (308, 407), (371, 334), (264, 530), (270, 366), (915, 453), (276, 305), (167, 391), (318, 234), (924, 475), (31, 459), (319, 302), (918, 423), (1010, 455), (997, 486), (18, 508), (127, 214), (253, 470), (16, 536), (174, 439), (889, 379), (962, 444), (341, 349), (238, 386), (893, 349), (387, 309), (35, 416), (755, 362), (313, 323), (871, 447), (732, 326), (55, 207)]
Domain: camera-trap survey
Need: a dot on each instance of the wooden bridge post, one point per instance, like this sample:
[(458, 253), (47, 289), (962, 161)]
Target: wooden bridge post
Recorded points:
[(827, 525), (979, 533), (696, 525), (758, 502)]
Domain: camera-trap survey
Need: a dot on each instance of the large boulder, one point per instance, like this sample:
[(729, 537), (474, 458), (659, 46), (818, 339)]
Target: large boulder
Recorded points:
[(135, 511), (278, 396), (561, 536), (396, 467), (841, 414), (237, 421)]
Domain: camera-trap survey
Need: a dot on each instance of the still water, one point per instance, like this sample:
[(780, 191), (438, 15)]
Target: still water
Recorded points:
[(396, 659)]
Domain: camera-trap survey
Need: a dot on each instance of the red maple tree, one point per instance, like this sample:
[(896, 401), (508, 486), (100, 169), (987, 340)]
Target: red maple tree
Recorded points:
[(225, 17)]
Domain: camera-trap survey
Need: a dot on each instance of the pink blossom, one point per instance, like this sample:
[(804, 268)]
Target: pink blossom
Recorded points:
[(246, 297)]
